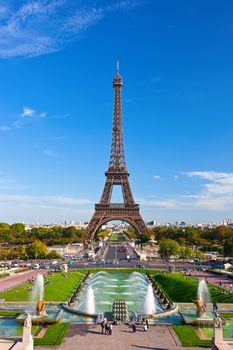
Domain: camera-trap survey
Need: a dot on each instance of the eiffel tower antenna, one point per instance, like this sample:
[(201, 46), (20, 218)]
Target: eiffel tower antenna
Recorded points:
[(118, 68), (116, 175)]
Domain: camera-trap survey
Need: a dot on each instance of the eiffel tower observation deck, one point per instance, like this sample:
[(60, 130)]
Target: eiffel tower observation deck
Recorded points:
[(117, 175)]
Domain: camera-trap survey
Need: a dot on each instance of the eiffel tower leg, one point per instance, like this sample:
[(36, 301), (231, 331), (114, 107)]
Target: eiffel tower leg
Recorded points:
[(93, 226)]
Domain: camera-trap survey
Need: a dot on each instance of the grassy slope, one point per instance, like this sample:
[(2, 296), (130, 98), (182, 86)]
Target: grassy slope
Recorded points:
[(59, 289), (182, 288), (188, 337)]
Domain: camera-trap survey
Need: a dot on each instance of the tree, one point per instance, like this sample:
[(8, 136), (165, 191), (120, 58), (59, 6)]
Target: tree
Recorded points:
[(18, 228), (37, 250), (103, 234), (228, 247), (53, 255), (185, 253), (5, 234), (131, 233), (198, 254), (168, 248)]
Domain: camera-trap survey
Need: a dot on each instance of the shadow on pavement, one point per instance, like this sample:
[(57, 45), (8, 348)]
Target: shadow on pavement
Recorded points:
[(148, 347)]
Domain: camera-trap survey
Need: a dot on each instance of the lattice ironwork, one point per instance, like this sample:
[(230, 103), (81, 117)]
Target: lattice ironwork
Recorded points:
[(116, 175)]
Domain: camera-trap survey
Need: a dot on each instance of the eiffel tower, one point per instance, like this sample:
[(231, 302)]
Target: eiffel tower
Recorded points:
[(116, 175)]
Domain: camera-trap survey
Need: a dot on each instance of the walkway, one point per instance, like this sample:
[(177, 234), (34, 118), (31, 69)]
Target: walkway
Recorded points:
[(88, 337), (15, 280), (214, 278)]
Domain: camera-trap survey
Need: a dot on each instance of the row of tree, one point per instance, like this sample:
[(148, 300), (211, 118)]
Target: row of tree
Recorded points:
[(17, 234), (169, 247), (218, 239), (35, 250)]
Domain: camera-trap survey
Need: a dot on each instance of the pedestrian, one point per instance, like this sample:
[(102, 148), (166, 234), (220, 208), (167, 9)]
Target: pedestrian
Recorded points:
[(106, 329), (215, 306), (147, 323), (102, 326), (134, 327), (145, 328), (110, 329)]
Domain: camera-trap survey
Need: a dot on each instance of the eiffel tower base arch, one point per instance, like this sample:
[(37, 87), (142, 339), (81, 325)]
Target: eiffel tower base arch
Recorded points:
[(106, 213)]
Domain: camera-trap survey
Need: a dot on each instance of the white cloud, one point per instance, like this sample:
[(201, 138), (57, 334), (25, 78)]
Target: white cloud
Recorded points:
[(216, 193), (44, 209), (26, 116), (50, 153), (160, 203), (36, 27), (218, 182), (9, 184), (29, 112), (4, 128), (157, 177)]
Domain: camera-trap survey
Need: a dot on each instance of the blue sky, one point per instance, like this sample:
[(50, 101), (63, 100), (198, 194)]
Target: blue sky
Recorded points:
[(57, 63)]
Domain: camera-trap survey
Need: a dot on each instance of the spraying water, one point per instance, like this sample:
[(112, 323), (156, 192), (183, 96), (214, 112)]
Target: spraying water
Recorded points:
[(38, 289), (149, 305), (203, 293), (90, 301)]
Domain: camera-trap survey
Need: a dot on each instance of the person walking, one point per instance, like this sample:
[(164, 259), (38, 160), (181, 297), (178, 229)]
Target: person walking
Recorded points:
[(134, 327), (147, 323), (102, 326), (106, 328), (110, 329)]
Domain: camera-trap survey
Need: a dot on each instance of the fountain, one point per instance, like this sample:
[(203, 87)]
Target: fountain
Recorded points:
[(200, 315), (105, 289), (203, 292), (90, 301), (149, 306), (39, 316), (38, 294), (203, 297)]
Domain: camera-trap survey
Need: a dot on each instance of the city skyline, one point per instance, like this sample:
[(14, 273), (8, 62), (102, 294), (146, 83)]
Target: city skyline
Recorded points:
[(57, 63)]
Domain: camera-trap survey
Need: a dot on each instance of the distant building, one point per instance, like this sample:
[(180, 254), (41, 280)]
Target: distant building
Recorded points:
[(69, 249)]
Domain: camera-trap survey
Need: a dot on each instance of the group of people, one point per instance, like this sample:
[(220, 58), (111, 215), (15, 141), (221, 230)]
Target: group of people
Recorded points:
[(145, 325), (224, 288), (31, 282), (106, 327)]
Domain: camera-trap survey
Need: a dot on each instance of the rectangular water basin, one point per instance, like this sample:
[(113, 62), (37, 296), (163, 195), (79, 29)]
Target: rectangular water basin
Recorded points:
[(10, 328)]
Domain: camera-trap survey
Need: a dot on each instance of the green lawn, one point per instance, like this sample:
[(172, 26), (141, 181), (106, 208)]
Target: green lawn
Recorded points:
[(116, 237), (182, 288), (226, 314), (9, 313), (188, 337), (53, 336), (59, 289)]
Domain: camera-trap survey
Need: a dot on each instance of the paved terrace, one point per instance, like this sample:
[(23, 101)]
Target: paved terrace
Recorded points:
[(89, 337), (214, 278)]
